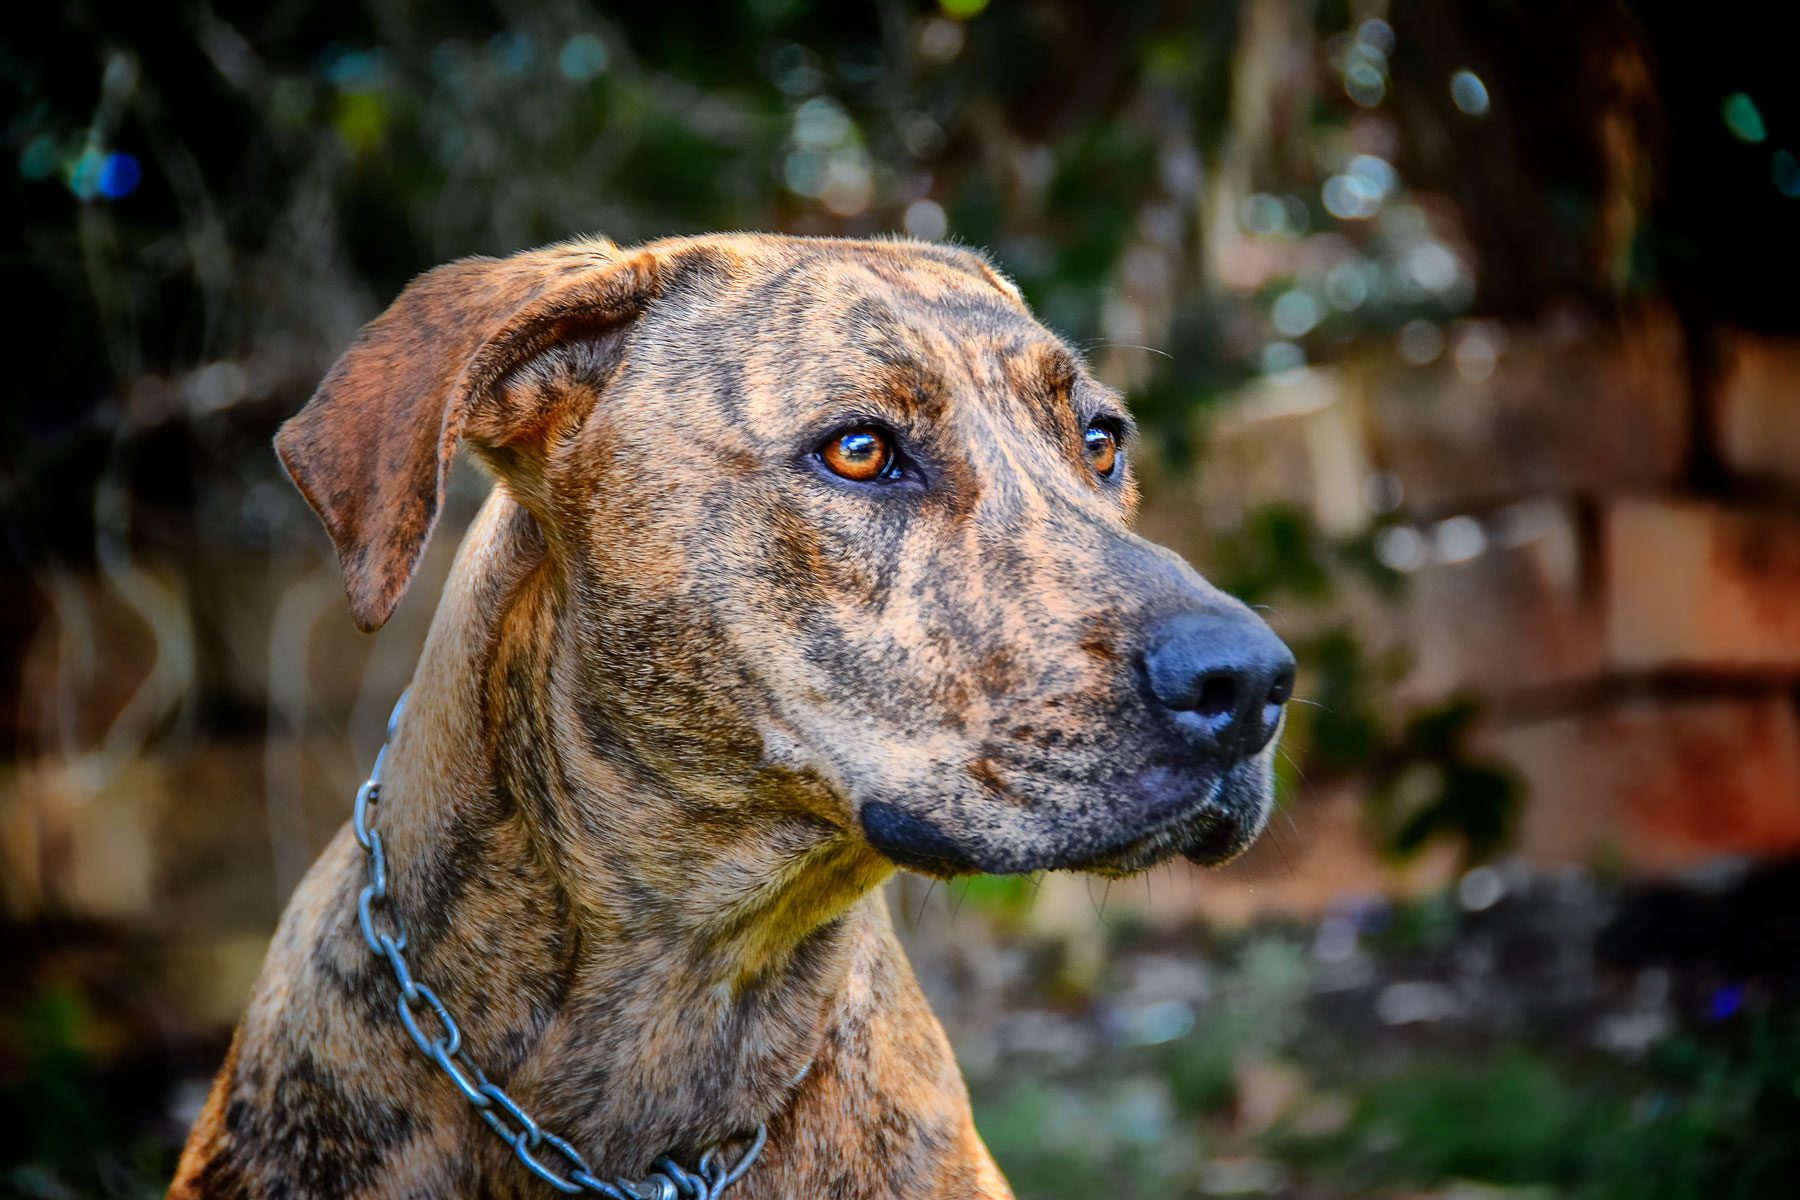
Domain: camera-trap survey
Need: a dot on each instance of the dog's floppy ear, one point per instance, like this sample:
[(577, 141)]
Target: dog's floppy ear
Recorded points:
[(372, 449)]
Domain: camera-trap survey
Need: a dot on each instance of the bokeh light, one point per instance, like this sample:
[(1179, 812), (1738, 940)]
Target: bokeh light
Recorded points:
[(1282, 358), (1295, 313), (1420, 341), (1350, 198), (1743, 118), (1365, 83), (1348, 284), (38, 159), (1458, 539), (119, 176), (925, 219), (1784, 170), (583, 58), (1400, 548), (1469, 93), (84, 173)]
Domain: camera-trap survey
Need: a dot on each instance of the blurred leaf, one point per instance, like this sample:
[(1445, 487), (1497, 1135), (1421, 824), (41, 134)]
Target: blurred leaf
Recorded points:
[(1276, 554), (1431, 786)]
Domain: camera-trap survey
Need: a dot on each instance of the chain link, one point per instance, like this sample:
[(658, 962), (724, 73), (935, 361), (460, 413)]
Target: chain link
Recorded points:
[(544, 1154)]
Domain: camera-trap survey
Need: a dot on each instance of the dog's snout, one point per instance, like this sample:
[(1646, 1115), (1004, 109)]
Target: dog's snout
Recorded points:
[(1223, 678)]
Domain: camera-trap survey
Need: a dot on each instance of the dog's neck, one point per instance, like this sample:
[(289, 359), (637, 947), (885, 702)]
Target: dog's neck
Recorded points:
[(669, 968)]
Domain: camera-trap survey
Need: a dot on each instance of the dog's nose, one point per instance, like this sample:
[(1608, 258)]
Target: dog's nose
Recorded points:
[(1222, 676)]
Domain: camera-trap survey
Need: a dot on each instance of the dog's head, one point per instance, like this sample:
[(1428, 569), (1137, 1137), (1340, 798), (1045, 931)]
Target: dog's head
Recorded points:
[(835, 525)]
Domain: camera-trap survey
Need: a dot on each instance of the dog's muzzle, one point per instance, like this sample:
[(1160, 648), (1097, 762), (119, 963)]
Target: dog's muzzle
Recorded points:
[(1214, 684)]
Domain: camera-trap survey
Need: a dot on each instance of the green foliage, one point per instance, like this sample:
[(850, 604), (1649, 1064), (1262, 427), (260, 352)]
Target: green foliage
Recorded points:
[(1203, 374), (52, 1031), (1704, 1117), (1420, 924), (1118, 1135), (1709, 1120), (1006, 896), (1341, 726), (1513, 1119), (1277, 554), (1432, 786), (49, 1047), (1137, 1123), (1716, 1123)]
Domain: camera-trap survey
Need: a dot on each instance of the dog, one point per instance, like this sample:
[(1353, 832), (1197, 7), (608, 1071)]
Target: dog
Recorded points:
[(806, 559)]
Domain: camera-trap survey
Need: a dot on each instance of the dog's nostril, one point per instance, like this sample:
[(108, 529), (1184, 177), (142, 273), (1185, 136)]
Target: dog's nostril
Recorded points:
[(1282, 690), (1217, 697), (1222, 676)]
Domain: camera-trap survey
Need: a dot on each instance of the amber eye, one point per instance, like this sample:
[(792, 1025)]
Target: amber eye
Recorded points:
[(1102, 445), (863, 455)]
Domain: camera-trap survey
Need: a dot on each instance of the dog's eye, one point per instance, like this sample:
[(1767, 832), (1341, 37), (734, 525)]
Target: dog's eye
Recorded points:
[(861, 454), (1102, 443)]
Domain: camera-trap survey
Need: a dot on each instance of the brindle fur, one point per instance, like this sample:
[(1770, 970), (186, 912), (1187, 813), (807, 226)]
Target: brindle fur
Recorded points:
[(677, 671)]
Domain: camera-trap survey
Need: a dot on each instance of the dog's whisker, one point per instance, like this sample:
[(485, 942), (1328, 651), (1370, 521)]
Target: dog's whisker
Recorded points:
[(1108, 344), (1275, 840), (1099, 909), (1288, 757), (1036, 880), (919, 917)]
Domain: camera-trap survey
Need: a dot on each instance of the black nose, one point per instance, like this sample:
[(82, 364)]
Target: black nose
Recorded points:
[(1222, 676)]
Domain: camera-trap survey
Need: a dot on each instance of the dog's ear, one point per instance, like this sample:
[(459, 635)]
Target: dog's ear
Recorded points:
[(372, 449)]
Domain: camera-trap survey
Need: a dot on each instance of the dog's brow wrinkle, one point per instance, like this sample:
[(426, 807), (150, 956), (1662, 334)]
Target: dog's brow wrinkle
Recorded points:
[(1061, 367)]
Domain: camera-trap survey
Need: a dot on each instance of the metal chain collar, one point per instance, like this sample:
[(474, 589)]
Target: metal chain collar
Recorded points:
[(503, 1114)]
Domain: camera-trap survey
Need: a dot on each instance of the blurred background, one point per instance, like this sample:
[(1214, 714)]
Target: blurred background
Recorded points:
[(1465, 337)]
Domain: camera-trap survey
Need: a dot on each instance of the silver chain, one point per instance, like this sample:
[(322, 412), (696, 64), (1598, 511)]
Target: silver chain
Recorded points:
[(503, 1114)]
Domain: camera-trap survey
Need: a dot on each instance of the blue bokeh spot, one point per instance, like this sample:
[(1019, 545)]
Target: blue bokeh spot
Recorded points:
[(120, 175), (1726, 1001)]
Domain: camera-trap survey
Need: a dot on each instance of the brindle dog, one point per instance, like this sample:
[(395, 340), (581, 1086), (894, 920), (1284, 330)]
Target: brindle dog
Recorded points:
[(806, 558)]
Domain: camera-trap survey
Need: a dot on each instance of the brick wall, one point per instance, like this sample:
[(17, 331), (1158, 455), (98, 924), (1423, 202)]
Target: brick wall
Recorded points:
[(1604, 550)]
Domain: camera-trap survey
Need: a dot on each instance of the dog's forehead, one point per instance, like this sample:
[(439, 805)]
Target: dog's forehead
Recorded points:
[(823, 314), (924, 269)]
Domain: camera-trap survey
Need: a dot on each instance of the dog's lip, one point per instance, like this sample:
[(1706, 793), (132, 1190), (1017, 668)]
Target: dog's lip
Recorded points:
[(1224, 840), (917, 843), (1209, 829), (1126, 851), (912, 841), (1217, 844), (1180, 809)]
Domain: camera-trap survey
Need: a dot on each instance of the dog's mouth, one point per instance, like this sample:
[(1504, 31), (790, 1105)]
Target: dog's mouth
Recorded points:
[(1210, 831), (1207, 819)]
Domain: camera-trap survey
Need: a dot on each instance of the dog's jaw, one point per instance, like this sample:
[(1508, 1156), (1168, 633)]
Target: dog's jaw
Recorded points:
[(1209, 820)]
